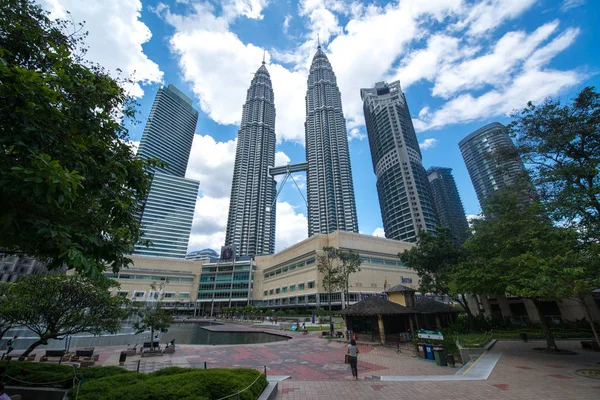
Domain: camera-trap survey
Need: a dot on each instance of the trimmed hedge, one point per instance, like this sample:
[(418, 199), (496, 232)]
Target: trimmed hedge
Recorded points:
[(175, 383), (52, 375)]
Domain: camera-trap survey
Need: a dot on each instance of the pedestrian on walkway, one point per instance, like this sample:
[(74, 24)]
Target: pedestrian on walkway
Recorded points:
[(353, 358)]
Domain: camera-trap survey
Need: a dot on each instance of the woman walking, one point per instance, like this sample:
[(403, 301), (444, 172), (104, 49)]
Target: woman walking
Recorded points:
[(353, 358)]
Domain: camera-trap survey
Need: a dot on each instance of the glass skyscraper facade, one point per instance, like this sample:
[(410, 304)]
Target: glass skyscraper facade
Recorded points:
[(330, 190), (166, 214), (448, 206), (169, 131), (489, 173), (251, 219), (402, 186)]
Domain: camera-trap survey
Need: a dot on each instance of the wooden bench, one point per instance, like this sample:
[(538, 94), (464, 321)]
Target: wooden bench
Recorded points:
[(30, 357), (590, 344), (52, 355)]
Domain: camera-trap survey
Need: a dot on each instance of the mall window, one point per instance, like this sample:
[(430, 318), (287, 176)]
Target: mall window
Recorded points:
[(284, 289), (184, 295), (271, 291), (122, 293), (301, 286), (292, 288), (311, 284), (265, 292), (277, 291)]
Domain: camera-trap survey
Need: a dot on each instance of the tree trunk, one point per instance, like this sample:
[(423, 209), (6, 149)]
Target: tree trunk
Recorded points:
[(465, 305), (588, 315), (550, 343), (33, 346), (330, 315)]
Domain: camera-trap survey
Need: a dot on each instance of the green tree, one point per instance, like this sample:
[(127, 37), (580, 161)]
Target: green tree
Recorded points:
[(69, 184), (437, 259), (349, 263), (6, 319), (561, 146), (331, 272), (56, 306), (516, 250), (151, 314)]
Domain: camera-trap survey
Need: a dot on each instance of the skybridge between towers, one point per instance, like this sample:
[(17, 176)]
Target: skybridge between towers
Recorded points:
[(287, 171)]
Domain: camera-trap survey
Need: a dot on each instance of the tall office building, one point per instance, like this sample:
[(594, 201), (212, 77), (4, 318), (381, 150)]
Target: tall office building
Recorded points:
[(251, 221), (169, 132), (479, 150), (402, 186), (166, 214), (449, 209), (331, 204)]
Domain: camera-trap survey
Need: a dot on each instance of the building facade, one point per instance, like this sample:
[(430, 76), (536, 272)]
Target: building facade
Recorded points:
[(448, 206), (330, 190), (402, 186), (225, 284), (169, 131), (290, 278), (480, 150), (251, 220), (15, 266), (166, 214), (204, 254), (179, 280)]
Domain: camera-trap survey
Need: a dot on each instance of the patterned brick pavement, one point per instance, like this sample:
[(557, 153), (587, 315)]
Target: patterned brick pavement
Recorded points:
[(521, 374), (305, 357)]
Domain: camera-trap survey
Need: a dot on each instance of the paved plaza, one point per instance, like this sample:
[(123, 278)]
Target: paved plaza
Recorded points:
[(316, 370)]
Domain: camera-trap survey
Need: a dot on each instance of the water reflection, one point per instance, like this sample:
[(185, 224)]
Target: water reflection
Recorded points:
[(183, 333)]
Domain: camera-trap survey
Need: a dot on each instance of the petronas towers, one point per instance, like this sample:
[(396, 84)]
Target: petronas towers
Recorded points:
[(330, 204), (251, 222), (330, 190)]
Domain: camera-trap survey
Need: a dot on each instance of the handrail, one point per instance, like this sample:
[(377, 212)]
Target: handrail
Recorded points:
[(243, 390)]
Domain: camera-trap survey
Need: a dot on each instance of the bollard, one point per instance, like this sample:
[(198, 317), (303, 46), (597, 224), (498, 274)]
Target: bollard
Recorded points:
[(138, 366), (205, 365), (265, 371)]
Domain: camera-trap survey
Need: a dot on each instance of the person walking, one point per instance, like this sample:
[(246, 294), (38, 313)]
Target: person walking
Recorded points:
[(353, 358)]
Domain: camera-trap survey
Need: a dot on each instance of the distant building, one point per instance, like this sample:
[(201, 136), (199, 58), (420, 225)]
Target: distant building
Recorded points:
[(402, 186), (204, 254), (169, 131), (15, 266), (251, 220), (166, 214), (331, 203), (448, 206), (480, 150)]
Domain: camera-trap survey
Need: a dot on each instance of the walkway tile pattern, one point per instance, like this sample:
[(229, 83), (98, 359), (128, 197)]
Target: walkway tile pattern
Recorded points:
[(507, 381)]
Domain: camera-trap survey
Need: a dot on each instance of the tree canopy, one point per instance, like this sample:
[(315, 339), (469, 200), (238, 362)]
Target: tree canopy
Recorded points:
[(69, 183), (55, 306), (560, 145)]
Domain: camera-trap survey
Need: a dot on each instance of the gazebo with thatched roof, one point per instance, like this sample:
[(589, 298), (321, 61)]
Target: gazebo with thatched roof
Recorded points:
[(377, 316)]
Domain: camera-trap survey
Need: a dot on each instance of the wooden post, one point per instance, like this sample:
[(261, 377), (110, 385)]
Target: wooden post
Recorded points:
[(438, 321), (381, 329), (345, 327)]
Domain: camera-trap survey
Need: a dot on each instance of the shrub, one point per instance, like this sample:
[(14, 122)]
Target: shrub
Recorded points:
[(175, 383), (52, 375)]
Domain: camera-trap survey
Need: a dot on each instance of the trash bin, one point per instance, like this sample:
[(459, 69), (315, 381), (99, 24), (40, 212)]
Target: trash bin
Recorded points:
[(123, 357), (421, 350), (429, 351), (440, 356)]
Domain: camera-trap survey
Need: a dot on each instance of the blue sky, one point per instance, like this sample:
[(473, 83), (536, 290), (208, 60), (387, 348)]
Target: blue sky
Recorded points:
[(461, 63)]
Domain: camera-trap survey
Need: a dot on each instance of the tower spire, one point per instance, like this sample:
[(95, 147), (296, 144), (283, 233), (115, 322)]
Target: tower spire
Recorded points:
[(318, 42), (264, 51)]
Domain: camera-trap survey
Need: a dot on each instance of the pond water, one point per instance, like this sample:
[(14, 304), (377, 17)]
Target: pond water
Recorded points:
[(183, 333)]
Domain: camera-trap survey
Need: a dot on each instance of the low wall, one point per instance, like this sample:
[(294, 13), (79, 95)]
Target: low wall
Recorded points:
[(467, 353)]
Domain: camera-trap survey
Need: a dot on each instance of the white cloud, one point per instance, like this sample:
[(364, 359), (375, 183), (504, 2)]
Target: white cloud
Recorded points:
[(134, 145), (428, 143), (210, 222), (115, 38), (286, 23), (569, 4), (291, 226), (251, 9), (490, 14), (379, 232), (211, 163)]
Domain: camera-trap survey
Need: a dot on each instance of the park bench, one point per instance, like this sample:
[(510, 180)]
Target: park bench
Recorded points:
[(13, 356), (85, 355), (55, 355), (590, 344)]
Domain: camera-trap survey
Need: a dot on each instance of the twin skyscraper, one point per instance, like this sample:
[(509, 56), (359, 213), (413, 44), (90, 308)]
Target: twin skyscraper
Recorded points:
[(330, 191)]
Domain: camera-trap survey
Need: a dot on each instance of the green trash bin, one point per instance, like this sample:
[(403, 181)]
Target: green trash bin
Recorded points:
[(440, 356)]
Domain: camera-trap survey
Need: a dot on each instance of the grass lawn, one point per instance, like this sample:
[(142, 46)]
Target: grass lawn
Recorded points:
[(483, 338)]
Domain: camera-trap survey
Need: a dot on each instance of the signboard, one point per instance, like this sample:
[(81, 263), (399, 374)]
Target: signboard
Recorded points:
[(406, 280), (423, 334)]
